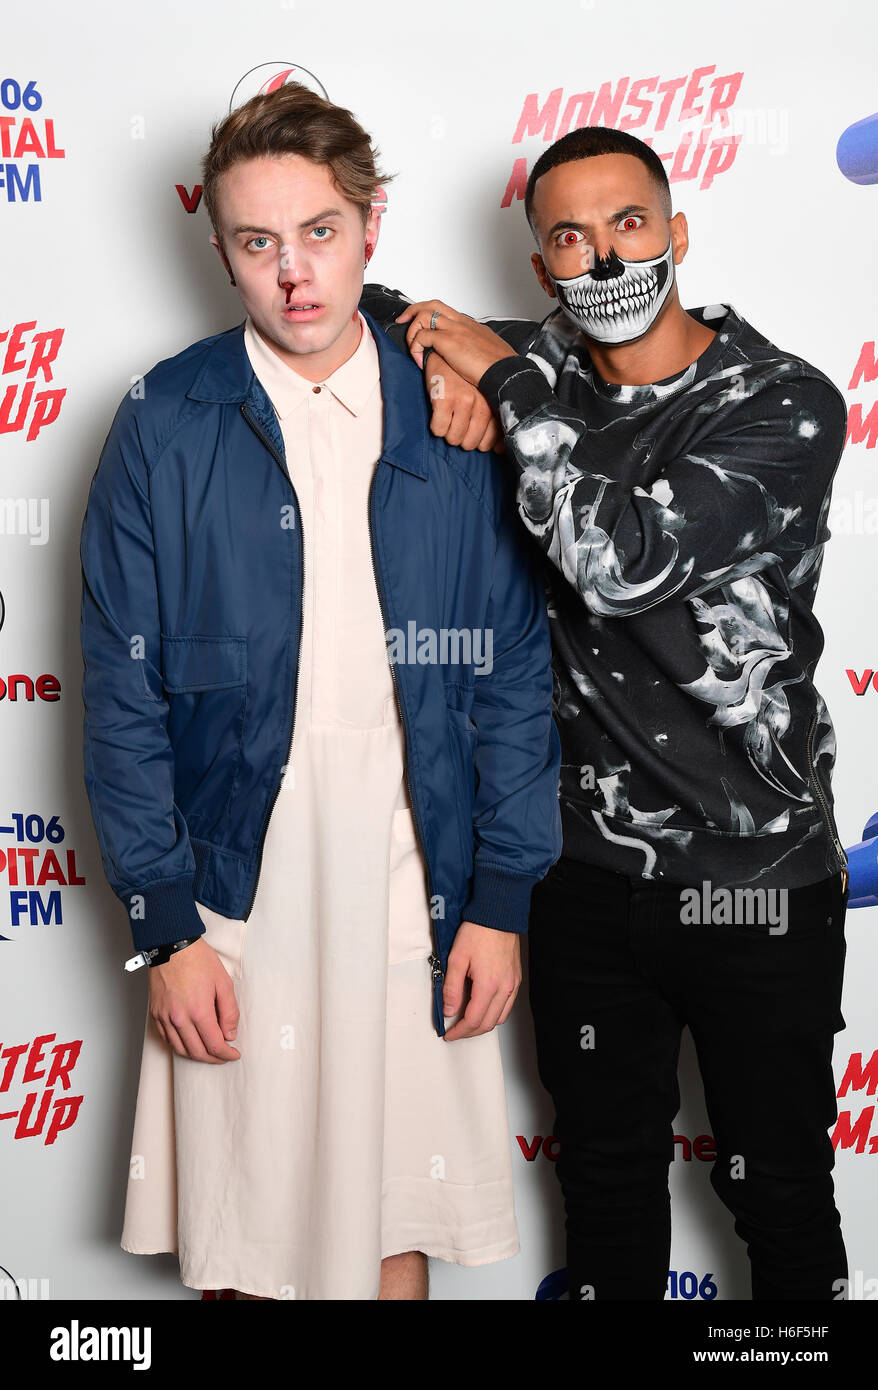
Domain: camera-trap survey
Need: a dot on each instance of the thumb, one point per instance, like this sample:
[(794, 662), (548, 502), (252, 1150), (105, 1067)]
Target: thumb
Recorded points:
[(227, 1011), (452, 990)]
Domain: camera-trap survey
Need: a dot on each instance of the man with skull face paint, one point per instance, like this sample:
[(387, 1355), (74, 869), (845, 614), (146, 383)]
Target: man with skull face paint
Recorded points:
[(675, 469), (615, 301)]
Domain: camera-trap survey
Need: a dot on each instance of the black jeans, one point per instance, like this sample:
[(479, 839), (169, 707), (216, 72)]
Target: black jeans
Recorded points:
[(612, 955)]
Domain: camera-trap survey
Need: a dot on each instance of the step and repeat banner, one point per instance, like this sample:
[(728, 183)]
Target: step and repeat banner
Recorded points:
[(764, 116)]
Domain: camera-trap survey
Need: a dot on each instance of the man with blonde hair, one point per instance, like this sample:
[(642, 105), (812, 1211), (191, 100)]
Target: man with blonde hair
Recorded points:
[(320, 757)]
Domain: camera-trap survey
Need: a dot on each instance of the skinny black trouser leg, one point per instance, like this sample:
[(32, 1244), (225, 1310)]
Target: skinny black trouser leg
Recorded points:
[(615, 973)]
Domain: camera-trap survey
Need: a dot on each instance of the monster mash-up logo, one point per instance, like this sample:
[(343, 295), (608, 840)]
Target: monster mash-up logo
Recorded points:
[(860, 1134), (690, 122), (30, 1072), (25, 366), (863, 429), (25, 134)]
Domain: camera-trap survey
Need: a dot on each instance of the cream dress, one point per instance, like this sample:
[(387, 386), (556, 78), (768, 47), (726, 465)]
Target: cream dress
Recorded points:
[(347, 1130)]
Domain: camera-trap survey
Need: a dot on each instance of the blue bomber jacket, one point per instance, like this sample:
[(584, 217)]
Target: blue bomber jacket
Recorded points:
[(192, 573)]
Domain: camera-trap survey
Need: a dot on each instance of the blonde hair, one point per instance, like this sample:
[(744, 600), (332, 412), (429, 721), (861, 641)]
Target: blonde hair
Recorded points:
[(293, 120)]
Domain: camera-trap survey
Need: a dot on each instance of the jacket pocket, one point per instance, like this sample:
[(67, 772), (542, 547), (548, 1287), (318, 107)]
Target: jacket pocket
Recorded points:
[(206, 682), (203, 663), (464, 737)]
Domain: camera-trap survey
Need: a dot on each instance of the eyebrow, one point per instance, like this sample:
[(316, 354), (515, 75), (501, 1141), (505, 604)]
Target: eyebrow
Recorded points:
[(309, 222), (584, 226)]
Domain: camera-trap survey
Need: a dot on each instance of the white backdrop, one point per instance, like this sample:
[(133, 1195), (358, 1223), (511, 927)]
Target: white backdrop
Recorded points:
[(101, 254)]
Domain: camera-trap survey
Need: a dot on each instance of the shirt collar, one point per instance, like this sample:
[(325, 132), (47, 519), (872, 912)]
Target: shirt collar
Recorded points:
[(351, 384)]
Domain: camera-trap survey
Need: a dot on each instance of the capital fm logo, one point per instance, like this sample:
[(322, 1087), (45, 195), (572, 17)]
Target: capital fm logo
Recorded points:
[(27, 139), (36, 862)]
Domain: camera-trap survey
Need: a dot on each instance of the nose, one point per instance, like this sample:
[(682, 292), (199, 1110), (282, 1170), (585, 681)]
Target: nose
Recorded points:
[(294, 268), (607, 266)]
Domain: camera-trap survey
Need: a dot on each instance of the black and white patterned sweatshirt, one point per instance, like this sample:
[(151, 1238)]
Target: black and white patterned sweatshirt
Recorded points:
[(684, 523)]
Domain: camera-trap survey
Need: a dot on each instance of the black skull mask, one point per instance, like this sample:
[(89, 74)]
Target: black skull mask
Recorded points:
[(617, 301)]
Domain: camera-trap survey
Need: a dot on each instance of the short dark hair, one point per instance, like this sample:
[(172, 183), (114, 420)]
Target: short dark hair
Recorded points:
[(596, 139), (294, 120)]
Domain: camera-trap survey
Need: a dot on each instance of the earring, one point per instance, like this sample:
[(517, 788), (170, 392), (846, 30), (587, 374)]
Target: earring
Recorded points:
[(369, 249)]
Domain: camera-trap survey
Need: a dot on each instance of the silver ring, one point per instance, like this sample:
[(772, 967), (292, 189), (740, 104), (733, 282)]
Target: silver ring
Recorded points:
[(433, 317)]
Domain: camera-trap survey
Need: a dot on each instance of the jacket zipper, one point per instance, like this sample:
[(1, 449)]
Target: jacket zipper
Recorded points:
[(266, 818), (435, 960), (830, 824)]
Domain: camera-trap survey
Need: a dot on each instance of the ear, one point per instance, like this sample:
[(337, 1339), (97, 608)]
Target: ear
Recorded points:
[(542, 274), (372, 227), (679, 236), (215, 241)]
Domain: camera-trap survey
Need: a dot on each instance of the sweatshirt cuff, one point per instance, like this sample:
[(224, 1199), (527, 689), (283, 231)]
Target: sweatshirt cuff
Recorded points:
[(499, 899), (163, 913), (518, 382)]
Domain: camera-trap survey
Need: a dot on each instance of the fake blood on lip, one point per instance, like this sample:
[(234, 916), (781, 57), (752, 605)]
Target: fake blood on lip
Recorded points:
[(302, 315)]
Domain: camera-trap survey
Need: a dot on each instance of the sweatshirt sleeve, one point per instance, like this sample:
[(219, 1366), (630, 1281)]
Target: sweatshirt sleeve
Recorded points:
[(128, 759), (751, 494), (385, 305)]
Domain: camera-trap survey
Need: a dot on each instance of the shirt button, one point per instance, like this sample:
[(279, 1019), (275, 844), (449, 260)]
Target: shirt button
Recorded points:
[(315, 389)]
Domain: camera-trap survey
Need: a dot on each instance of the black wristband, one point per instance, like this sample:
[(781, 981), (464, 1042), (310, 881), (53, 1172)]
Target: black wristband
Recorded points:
[(159, 955)]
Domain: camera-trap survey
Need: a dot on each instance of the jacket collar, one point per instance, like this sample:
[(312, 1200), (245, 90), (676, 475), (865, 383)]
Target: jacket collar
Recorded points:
[(226, 377)]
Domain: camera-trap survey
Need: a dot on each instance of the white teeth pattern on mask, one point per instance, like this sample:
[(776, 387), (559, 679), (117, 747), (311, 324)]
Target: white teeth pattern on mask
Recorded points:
[(633, 320), (638, 291)]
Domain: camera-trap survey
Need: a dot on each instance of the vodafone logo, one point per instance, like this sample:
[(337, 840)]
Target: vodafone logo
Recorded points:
[(861, 682), (702, 1147), (267, 77)]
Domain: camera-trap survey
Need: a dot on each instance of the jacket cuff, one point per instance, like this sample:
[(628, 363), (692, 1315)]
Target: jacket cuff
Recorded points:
[(518, 382), (499, 899), (163, 913)]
